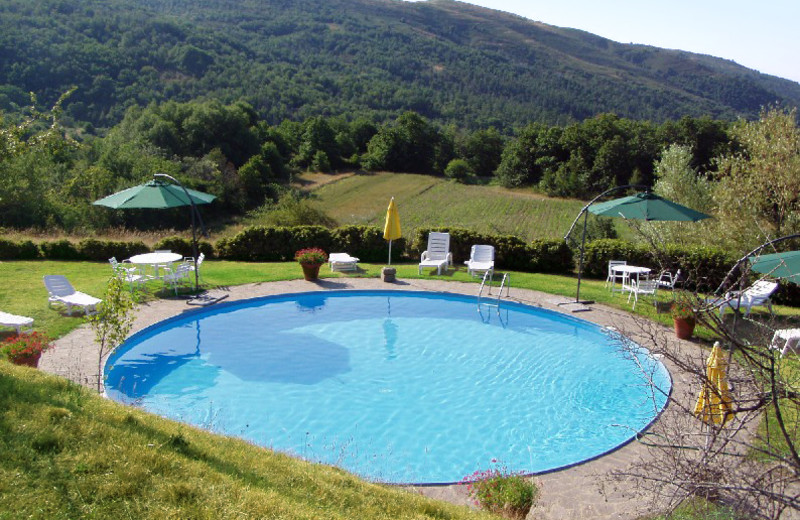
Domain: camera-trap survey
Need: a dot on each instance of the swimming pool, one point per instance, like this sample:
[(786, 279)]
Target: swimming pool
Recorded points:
[(395, 386)]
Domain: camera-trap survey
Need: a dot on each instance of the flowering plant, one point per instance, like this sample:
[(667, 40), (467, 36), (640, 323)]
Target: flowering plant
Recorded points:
[(24, 346), (311, 256), (681, 311), (501, 491)]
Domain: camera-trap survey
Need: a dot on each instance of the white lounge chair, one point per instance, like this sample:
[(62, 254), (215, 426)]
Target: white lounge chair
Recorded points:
[(61, 291), (644, 287), (342, 262), (481, 259), (758, 294), (438, 254), (786, 340), (16, 322)]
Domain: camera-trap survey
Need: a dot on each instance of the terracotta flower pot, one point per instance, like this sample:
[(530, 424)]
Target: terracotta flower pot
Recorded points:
[(684, 327), (310, 271), (30, 361)]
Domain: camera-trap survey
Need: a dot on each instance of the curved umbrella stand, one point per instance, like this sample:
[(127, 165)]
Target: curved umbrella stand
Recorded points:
[(157, 194)]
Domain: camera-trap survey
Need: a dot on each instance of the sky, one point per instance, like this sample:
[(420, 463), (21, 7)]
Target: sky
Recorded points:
[(761, 35)]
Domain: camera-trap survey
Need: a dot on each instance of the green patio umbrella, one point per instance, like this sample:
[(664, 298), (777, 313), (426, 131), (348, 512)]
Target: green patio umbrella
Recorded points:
[(155, 194), (158, 194), (778, 265), (641, 206), (646, 206)]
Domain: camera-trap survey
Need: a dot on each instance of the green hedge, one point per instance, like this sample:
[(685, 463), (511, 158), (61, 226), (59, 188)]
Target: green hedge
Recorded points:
[(22, 250)]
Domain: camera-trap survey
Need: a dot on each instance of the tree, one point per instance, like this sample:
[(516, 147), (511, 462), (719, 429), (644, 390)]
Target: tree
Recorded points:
[(483, 150), (748, 461), (758, 189), (679, 182), (112, 322)]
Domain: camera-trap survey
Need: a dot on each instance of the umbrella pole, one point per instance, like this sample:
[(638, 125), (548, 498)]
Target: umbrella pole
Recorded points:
[(390, 252), (194, 225), (580, 260)]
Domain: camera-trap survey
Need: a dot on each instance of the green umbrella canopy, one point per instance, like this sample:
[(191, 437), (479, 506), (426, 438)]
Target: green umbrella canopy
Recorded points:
[(155, 195), (778, 265), (646, 206)]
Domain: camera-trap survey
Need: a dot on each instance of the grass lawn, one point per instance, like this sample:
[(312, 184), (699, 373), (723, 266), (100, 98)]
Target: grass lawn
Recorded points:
[(67, 453)]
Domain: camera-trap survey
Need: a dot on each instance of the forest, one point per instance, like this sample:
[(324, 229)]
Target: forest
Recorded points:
[(450, 62), (49, 176)]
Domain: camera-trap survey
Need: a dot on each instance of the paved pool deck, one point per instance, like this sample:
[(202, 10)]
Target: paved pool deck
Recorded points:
[(579, 492)]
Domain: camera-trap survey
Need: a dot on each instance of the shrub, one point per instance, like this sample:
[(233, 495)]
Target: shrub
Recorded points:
[(501, 491), (60, 250), (457, 169), (366, 243), (23, 346), (22, 250)]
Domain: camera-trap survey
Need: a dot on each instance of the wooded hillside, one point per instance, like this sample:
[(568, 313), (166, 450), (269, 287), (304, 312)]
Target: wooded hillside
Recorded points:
[(448, 61)]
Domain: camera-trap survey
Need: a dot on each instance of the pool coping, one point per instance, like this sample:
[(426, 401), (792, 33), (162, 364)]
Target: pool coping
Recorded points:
[(570, 492)]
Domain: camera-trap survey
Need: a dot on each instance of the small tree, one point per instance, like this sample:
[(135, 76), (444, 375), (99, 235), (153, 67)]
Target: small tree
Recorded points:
[(112, 322)]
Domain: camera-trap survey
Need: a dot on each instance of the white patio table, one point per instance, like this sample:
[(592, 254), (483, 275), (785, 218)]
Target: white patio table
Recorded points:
[(156, 260), (627, 272)]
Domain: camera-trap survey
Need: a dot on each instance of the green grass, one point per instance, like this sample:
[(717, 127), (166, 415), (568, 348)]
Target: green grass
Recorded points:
[(425, 201), (68, 453)]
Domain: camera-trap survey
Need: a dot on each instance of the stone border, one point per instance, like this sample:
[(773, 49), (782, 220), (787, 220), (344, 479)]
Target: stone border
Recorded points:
[(578, 492)]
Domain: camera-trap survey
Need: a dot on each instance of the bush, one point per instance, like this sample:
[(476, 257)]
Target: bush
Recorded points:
[(60, 250), (22, 250), (366, 243), (457, 169), (273, 244), (183, 246), (502, 492)]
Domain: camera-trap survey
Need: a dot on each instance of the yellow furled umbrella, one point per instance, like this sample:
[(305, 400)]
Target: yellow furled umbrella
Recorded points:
[(714, 405), (391, 230)]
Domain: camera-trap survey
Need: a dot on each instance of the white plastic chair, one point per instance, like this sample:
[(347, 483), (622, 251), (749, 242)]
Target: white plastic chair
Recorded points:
[(16, 322), (177, 276), (614, 276), (132, 275), (438, 254), (61, 291), (667, 280), (644, 287), (758, 294), (481, 259)]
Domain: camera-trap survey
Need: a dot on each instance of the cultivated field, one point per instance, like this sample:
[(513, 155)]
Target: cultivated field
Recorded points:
[(425, 201)]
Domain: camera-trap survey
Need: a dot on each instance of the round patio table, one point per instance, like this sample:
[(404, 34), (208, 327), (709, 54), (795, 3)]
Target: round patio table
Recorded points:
[(627, 272), (157, 260)]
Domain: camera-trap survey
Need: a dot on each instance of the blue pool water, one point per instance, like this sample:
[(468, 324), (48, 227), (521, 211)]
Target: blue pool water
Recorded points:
[(397, 387)]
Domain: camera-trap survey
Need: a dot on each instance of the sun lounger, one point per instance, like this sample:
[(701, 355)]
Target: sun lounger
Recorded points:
[(15, 322), (342, 262), (61, 291), (438, 254)]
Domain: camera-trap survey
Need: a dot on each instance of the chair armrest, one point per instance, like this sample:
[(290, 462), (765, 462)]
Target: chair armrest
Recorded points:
[(424, 256)]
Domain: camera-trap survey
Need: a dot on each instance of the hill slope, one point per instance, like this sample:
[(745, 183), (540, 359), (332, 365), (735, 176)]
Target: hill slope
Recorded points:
[(447, 60), (67, 453)]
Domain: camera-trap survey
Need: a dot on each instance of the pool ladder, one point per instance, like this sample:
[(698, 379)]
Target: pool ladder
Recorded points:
[(489, 275)]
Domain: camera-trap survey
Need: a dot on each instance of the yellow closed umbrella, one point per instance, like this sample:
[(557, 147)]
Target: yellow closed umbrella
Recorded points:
[(714, 405), (391, 230)]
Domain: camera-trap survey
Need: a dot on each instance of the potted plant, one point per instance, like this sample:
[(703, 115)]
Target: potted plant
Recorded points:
[(25, 349), (310, 260), (683, 318)]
